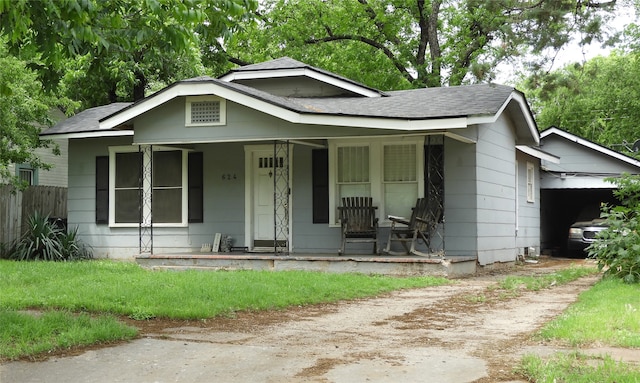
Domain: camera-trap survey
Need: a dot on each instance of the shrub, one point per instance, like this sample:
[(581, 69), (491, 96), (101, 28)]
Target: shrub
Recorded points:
[(617, 249), (45, 240)]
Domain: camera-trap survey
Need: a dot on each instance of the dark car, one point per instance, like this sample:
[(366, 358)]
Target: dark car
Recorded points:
[(583, 232)]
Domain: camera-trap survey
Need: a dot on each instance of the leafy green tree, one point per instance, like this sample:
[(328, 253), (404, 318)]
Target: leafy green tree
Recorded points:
[(617, 249), (414, 43), (24, 110), (598, 100), (121, 46)]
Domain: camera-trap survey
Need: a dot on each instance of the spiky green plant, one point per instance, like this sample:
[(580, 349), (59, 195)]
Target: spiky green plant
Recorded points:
[(45, 241)]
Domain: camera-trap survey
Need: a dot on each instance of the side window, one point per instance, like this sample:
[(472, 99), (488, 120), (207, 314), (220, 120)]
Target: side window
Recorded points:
[(27, 174), (531, 197)]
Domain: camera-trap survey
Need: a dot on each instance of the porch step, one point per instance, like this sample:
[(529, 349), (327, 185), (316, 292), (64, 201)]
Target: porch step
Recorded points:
[(451, 267)]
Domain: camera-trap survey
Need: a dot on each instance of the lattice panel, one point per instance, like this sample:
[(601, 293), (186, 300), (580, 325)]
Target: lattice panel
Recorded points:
[(434, 189), (146, 195), (281, 192)]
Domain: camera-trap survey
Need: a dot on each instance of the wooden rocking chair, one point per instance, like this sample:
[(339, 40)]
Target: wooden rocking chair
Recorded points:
[(358, 222), (419, 227)]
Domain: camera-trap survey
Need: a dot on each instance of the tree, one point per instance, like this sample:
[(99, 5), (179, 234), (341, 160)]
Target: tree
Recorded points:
[(24, 111), (598, 100), (415, 43), (121, 46)]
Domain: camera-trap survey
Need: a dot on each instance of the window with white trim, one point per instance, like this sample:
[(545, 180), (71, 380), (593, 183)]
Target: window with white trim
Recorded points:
[(26, 174), (353, 171), (531, 197), (169, 190), (205, 111), (400, 178), (389, 171)]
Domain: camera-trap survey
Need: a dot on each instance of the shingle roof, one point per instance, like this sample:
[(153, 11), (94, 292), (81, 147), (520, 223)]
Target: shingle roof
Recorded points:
[(87, 120), (443, 102), (416, 104)]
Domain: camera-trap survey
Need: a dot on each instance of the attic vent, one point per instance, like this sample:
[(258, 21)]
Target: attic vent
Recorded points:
[(202, 111)]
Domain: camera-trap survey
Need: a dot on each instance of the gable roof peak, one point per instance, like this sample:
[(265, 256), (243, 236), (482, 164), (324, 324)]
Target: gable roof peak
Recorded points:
[(286, 67)]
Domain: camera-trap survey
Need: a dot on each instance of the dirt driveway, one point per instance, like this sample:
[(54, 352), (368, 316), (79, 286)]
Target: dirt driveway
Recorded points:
[(464, 332)]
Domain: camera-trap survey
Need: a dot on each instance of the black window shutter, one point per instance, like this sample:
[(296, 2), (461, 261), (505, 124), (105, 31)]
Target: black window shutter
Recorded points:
[(320, 175), (196, 190), (102, 189)]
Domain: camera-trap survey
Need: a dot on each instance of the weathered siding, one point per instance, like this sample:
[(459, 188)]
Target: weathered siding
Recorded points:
[(58, 174), (496, 192), (528, 225), (460, 202)]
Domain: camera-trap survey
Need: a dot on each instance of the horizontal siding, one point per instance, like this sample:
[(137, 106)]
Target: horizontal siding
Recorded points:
[(528, 212), (577, 158), (460, 198), (496, 193)]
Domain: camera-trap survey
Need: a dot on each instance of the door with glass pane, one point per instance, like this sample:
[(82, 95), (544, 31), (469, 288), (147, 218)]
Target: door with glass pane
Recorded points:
[(264, 169)]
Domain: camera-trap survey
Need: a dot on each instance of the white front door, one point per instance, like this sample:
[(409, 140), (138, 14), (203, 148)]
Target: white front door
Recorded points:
[(261, 198)]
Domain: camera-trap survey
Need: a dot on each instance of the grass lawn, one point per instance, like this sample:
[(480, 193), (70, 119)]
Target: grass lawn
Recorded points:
[(67, 292), (607, 314)]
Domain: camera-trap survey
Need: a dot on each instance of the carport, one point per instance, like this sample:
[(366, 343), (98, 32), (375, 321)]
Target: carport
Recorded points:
[(575, 187)]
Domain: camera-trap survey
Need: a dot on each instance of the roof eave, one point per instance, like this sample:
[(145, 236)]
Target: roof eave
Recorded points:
[(90, 134), (293, 116), (589, 144)]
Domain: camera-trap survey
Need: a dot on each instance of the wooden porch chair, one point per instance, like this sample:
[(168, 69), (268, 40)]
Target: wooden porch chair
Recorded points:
[(423, 221), (358, 222)]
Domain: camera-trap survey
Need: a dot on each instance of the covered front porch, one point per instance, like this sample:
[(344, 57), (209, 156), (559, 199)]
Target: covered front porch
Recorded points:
[(450, 267)]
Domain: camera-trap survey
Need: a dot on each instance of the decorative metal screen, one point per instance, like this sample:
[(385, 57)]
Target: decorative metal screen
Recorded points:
[(205, 112), (434, 188), (146, 194), (281, 193)]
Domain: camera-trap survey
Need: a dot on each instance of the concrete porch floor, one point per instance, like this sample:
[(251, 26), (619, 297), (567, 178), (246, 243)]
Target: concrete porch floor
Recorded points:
[(450, 267)]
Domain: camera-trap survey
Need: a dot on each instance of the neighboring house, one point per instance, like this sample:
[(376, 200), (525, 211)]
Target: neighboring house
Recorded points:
[(57, 175), (576, 185), (266, 152)]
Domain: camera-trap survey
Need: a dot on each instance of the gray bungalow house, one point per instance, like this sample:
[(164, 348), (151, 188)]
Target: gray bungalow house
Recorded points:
[(265, 153)]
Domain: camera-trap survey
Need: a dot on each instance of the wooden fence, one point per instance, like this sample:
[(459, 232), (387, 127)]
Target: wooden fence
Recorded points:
[(17, 206)]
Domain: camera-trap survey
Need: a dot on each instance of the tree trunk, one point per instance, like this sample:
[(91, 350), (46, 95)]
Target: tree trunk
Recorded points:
[(139, 86)]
